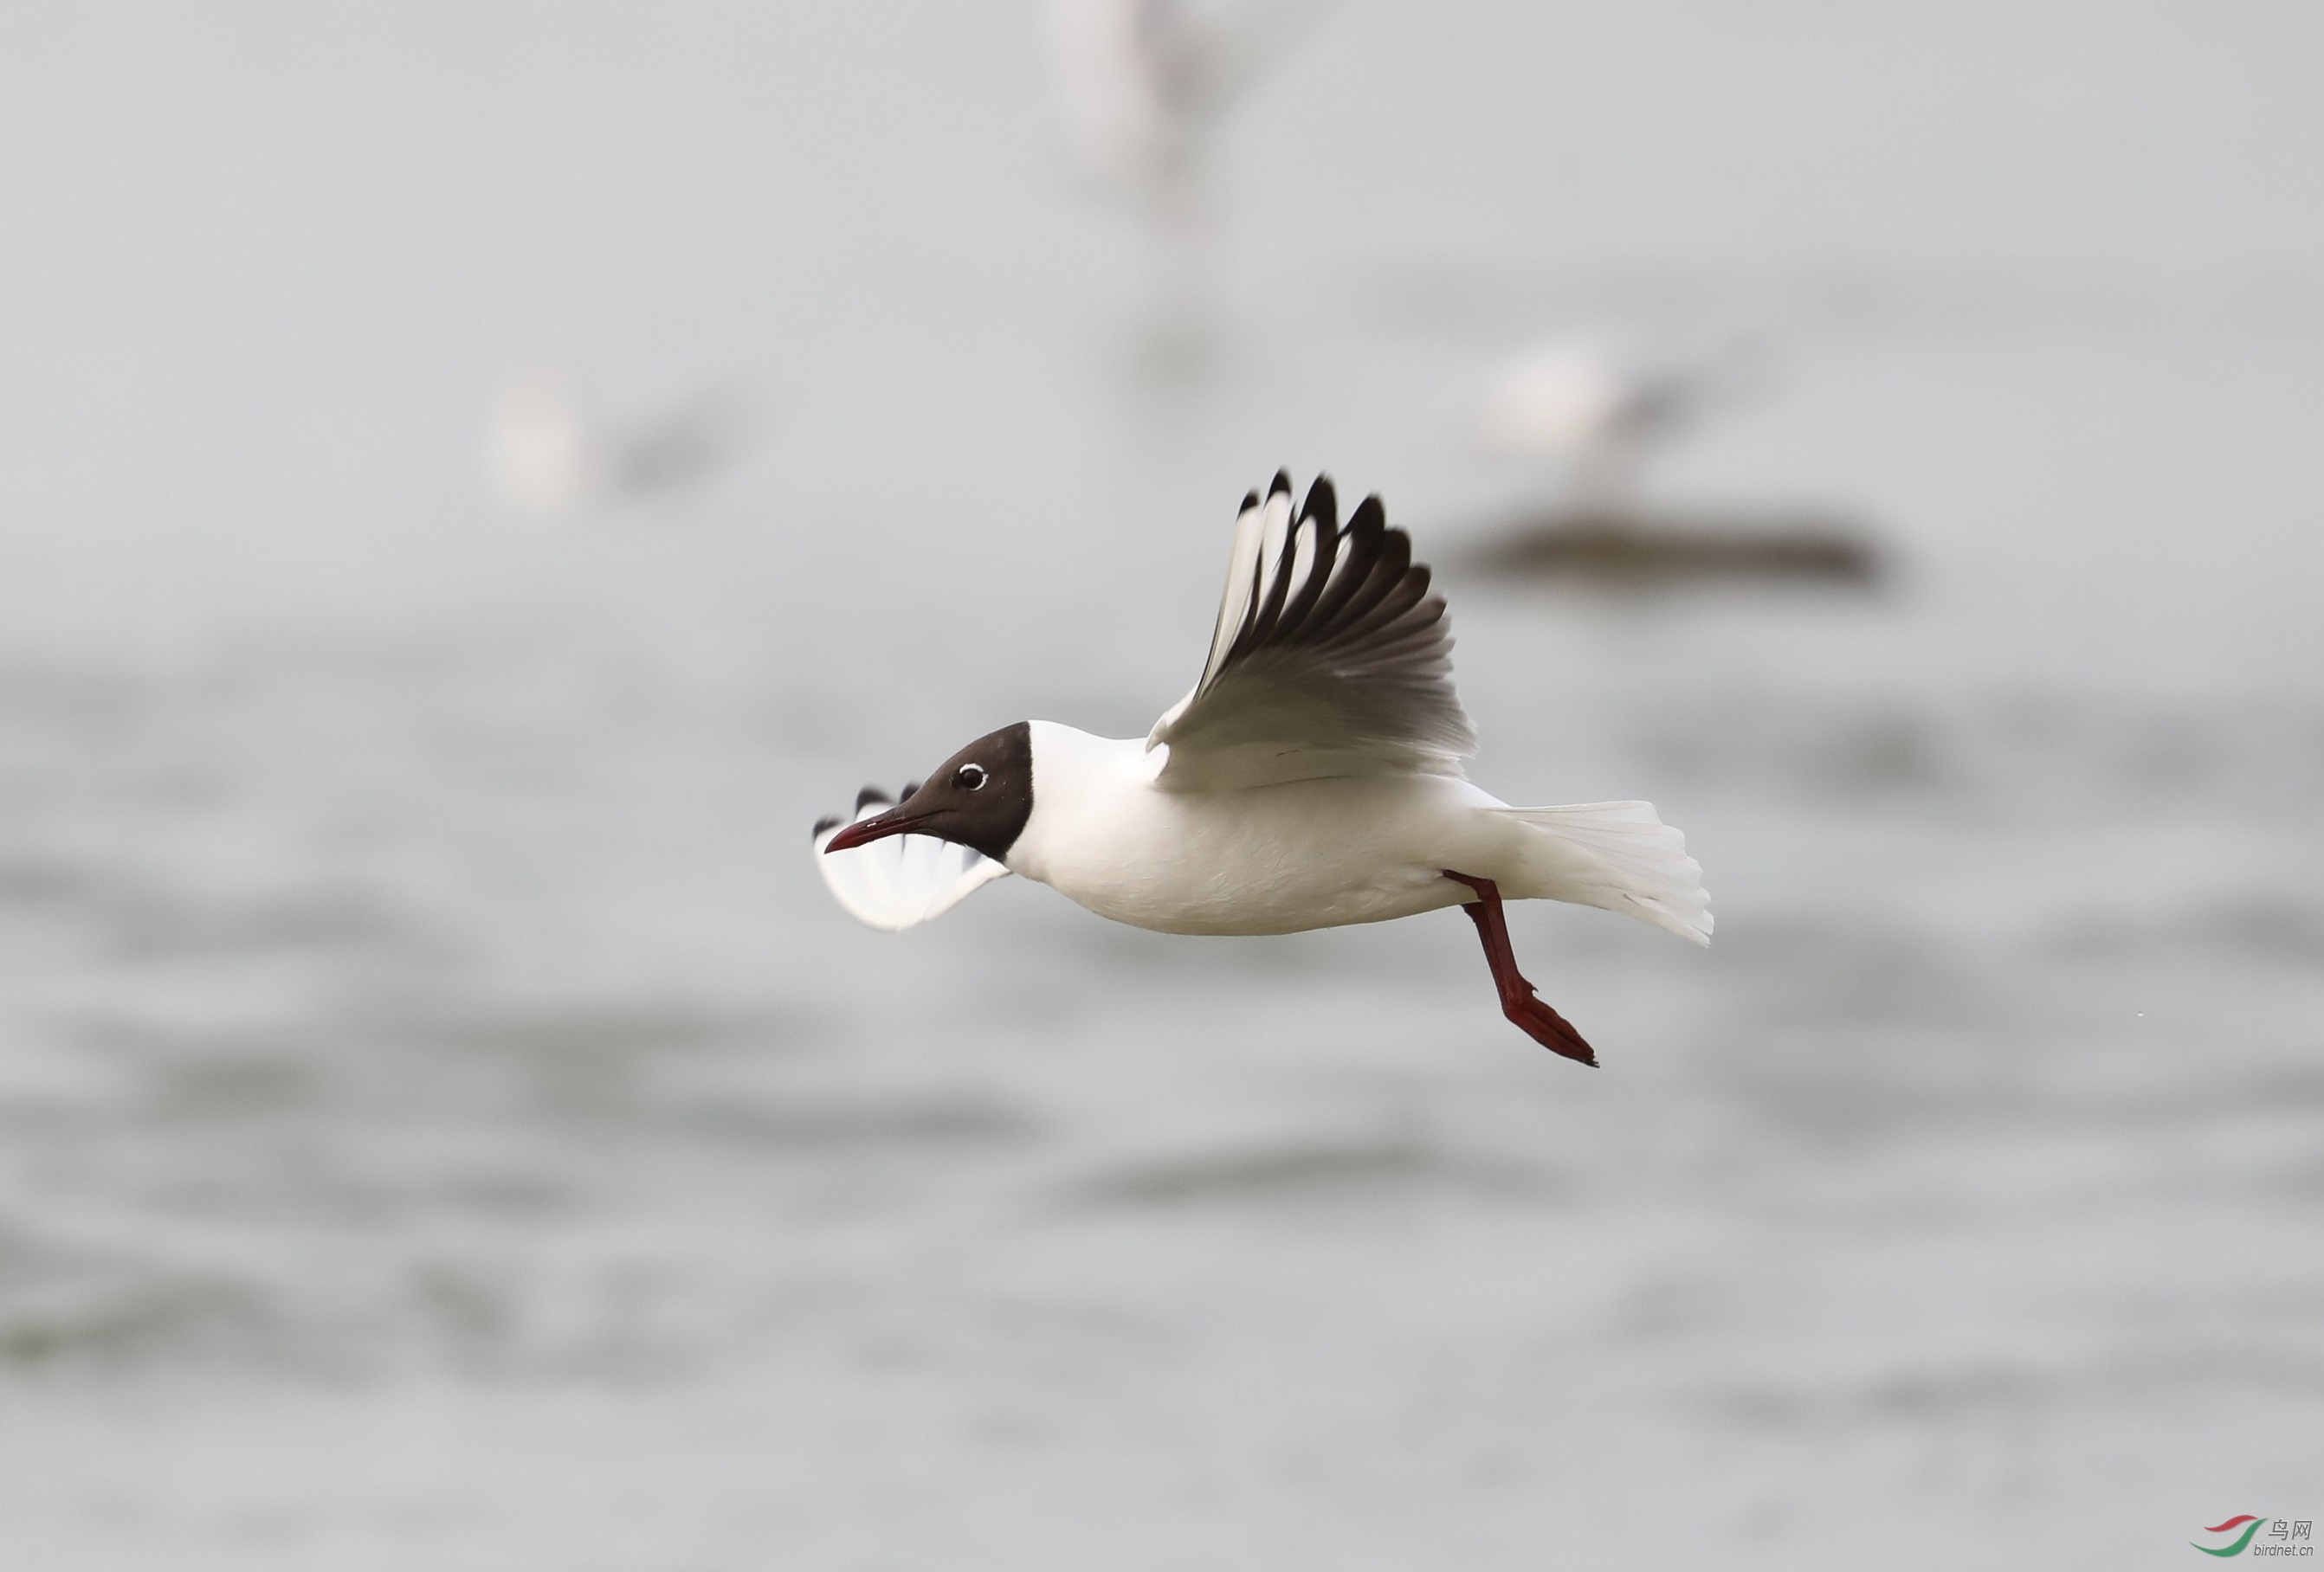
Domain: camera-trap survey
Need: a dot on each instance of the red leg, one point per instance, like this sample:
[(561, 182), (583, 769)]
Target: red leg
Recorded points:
[(1534, 1018)]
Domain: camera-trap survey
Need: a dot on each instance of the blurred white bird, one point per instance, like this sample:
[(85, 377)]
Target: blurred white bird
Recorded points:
[(1142, 84), (1142, 89), (1598, 408), (546, 457)]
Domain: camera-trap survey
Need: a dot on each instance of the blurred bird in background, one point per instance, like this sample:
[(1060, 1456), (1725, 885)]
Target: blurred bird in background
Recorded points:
[(1598, 409), (547, 456), (1143, 86), (1598, 412)]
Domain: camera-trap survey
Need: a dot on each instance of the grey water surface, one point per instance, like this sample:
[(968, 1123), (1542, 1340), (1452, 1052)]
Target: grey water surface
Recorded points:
[(443, 1123)]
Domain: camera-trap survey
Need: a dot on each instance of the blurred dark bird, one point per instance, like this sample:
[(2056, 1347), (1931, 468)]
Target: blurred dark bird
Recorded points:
[(1312, 778)]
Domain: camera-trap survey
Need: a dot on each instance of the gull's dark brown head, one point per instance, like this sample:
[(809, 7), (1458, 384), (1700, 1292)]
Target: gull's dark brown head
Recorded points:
[(980, 798)]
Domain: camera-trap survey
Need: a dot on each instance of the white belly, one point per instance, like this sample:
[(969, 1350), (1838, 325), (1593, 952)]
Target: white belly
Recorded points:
[(1270, 860)]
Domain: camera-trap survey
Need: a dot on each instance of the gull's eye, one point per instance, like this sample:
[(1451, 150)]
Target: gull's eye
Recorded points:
[(970, 777)]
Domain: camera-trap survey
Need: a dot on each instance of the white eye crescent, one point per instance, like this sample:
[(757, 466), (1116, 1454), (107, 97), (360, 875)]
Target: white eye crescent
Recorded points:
[(970, 777)]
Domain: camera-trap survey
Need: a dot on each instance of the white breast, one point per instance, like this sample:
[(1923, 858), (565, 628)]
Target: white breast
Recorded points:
[(1269, 859)]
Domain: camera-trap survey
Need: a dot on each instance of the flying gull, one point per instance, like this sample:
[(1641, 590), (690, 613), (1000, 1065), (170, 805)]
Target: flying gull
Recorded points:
[(1312, 778)]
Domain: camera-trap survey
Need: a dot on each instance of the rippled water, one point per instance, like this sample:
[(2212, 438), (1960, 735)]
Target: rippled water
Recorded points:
[(443, 1122)]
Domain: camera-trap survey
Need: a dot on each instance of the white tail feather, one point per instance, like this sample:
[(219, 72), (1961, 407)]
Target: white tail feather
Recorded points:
[(1629, 861)]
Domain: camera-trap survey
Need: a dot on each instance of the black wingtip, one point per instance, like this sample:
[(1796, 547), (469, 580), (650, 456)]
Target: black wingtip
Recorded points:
[(828, 822), (1372, 513), (1250, 500), (869, 795), (1281, 486), (1323, 503)]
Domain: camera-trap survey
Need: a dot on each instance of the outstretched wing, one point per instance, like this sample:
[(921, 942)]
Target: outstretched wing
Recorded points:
[(1331, 657), (904, 880)]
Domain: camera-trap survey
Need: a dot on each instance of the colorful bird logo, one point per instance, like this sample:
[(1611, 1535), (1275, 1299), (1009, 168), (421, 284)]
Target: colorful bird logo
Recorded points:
[(2244, 1521)]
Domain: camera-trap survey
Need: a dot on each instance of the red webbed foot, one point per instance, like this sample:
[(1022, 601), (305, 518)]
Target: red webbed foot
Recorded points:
[(1519, 1002)]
